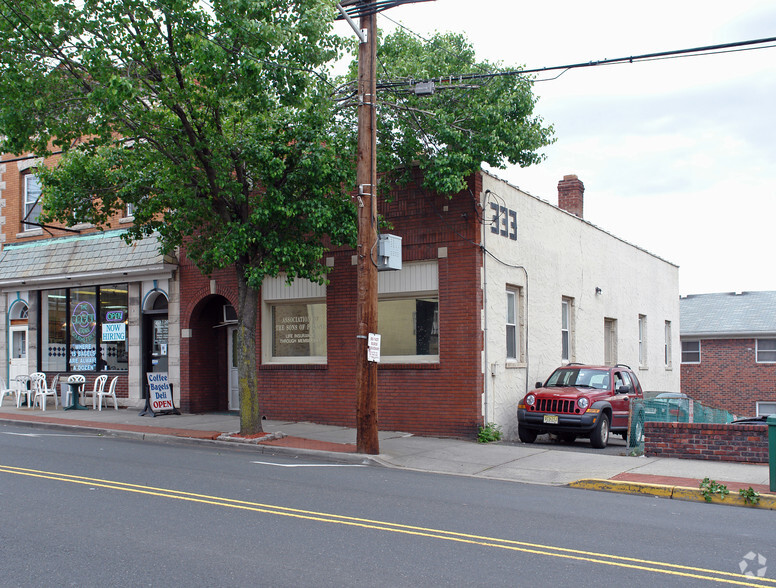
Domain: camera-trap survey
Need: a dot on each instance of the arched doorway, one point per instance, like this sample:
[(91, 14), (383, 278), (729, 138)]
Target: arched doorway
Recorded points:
[(211, 364), (19, 363)]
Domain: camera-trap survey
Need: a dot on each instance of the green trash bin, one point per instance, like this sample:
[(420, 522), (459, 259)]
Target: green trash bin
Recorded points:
[(771, 420)]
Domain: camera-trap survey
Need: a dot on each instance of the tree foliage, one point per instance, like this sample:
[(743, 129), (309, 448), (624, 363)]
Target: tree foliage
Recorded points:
[(449, 134), (217, 121)]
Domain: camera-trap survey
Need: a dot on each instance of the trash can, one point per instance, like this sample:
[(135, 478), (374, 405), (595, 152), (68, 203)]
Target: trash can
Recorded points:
[(771, 420)]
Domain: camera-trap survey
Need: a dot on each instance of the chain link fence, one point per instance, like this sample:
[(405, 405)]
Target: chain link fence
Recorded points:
[(669, 408)]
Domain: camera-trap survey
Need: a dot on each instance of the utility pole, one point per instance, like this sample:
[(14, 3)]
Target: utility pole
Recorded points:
[(366, 174)]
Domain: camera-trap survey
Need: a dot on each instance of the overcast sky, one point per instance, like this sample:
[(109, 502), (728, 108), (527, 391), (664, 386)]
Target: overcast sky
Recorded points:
[(677, 156)]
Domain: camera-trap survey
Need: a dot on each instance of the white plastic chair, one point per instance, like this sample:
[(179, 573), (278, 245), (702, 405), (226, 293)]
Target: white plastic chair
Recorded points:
[(6, 391), (42, 391), (23, 390), (111, 392), (99, 387), (74, 379)]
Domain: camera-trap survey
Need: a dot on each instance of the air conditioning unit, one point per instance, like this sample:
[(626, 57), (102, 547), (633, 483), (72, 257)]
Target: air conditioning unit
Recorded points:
[(230, 314)]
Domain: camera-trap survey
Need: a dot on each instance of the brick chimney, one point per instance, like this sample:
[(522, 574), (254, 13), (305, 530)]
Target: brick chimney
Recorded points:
[(570, 195)]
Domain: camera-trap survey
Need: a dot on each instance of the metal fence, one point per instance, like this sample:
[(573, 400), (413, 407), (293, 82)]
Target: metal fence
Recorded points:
[(669, 409)]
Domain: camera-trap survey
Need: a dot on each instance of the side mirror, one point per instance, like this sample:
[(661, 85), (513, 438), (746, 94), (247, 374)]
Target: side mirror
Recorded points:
[(625, 389), (538, 385)]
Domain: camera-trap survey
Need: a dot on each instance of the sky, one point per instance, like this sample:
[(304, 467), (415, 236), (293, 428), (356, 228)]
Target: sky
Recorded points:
[(677, 156)]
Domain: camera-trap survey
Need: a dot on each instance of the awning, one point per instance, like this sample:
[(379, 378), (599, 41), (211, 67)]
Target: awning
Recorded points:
[(95, 256)]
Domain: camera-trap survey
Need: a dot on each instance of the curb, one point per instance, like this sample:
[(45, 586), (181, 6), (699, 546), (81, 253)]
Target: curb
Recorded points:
[(767, 501), (239, 445)]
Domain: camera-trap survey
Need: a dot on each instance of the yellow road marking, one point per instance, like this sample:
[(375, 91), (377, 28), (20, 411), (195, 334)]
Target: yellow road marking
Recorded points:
[(519, 546)]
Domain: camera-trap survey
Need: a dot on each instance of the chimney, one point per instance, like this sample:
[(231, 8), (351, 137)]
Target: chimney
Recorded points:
[(570, 195)]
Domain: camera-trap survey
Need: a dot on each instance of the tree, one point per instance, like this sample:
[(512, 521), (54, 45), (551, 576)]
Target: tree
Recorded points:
[(210, 119), (449, 134), (217, 121)]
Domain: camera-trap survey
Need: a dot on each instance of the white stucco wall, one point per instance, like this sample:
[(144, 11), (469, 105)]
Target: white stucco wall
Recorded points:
[(557, 255)]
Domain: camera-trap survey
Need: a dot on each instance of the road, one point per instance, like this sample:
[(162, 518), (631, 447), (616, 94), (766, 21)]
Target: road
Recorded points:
[(85, 510)]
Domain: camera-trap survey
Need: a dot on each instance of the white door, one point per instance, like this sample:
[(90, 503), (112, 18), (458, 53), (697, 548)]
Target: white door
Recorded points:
[(19, 365), (234, 389)]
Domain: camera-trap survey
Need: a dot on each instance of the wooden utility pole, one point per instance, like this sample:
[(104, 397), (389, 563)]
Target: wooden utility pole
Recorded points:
[(366, 173)]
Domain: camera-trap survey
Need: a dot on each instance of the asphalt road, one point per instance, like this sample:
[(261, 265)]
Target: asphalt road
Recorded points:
[(84, 510)]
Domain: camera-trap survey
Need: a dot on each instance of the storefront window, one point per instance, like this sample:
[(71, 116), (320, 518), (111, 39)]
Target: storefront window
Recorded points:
[(299, 330), (409, 327), (54, 330), (84, 329), (114, 317)]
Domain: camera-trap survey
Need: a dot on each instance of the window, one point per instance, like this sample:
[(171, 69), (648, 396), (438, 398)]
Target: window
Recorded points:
[(294, 321), (668, 350), (298, 329), (512, 332), (766, 408), (84, 329), (610, 341), (766, 350), (642, 340), (130, 210), (409, 327), (691, 351), (567, 329), (32, 205)]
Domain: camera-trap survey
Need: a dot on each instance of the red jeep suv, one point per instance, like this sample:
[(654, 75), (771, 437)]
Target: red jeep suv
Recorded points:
[(581, 401)]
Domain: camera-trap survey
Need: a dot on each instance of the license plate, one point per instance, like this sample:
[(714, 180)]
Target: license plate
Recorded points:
[(551, 419)]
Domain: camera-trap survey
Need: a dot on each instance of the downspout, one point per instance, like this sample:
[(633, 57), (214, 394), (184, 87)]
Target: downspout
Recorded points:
[(486, 398)]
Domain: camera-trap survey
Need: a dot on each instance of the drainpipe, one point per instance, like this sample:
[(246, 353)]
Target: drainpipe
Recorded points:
[(486, 407)]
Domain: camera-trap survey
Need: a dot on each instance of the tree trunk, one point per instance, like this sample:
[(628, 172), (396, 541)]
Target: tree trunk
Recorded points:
[(247, 370)]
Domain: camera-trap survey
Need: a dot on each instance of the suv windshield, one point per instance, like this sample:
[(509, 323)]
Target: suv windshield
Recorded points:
[(585, 378)]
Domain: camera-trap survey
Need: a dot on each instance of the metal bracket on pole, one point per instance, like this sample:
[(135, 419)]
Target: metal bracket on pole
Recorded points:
[(360, 33)]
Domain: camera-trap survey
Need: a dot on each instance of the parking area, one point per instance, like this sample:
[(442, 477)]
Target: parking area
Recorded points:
[(615, 446)]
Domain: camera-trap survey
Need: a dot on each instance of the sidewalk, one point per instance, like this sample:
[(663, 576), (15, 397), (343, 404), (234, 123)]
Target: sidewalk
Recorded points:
[(532, 464)]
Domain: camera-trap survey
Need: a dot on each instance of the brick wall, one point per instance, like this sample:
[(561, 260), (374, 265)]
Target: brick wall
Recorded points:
[(442, 399), (729, 378), (741, 443)]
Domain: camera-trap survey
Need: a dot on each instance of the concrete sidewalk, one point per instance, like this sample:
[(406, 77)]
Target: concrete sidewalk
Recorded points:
[(533, 464)]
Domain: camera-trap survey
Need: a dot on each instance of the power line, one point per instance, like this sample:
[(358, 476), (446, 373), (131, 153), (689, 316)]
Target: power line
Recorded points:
[(692, 52)]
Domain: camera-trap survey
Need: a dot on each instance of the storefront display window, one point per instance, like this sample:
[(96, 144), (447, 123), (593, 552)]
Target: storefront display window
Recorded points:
[(299, 330), (84, 329), (409, 327)]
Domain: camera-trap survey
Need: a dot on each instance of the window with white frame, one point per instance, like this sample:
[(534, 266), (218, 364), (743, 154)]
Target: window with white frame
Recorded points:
[(766, 408), (514, 324), (295, 321), (668, 349), (766, 350), (567, 329), (643, 340), (691, 351), (32, 203), (130, 210)]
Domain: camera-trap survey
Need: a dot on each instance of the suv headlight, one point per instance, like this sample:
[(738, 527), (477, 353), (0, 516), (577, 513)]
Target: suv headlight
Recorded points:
[(530, 400), (583, 403)]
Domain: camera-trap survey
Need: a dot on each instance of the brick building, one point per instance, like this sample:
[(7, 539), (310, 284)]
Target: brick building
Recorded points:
[(729, 351), (497, 288)]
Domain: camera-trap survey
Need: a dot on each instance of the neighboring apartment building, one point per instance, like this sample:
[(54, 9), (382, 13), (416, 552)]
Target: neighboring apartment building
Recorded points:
[(497, 289), (729, 351), (80, 300)]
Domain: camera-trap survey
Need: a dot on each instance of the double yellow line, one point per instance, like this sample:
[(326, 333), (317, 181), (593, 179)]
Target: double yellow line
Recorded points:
[(484, 541)]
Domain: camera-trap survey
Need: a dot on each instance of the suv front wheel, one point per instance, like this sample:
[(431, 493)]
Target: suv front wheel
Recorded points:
[(600, 435), (526, 435)]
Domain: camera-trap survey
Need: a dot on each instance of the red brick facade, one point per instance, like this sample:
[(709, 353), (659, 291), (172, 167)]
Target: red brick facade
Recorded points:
[(741, 443), (728, 376), (435, 399)]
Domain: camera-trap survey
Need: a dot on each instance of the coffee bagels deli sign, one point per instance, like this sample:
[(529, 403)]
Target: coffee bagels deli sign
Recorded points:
[(160, 393)]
